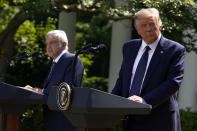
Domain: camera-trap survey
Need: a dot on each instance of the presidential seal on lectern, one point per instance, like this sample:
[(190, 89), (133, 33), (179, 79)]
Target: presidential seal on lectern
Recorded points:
[(63, 96)]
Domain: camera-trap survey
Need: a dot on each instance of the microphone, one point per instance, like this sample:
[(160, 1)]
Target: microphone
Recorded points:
[(34, 54), (86, 47), (21, 54), (24, 55), (96, 49)]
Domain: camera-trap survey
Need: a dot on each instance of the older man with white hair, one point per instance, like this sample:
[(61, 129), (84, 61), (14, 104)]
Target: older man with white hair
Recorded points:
[(61, 71)]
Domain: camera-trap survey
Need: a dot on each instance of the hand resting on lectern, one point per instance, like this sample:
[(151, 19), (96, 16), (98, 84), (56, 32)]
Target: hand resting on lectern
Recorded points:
[(37, 90)]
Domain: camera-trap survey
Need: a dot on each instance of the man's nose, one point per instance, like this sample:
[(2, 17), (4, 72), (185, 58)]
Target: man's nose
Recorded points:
[(148, 27), (48, 46)]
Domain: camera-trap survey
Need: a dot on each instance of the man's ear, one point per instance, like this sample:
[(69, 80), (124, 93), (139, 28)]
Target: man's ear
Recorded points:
[(64, 43), (136, 28), (160, 28)]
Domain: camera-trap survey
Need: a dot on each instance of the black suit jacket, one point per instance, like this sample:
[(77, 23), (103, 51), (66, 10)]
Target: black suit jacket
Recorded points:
[(160, 87), (62, 72)]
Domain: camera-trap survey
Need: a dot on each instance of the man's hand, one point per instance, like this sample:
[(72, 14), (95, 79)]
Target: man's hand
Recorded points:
[(37, 90), (137, 99)]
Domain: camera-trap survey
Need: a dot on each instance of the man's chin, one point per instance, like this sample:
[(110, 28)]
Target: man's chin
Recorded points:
[(51, 56)]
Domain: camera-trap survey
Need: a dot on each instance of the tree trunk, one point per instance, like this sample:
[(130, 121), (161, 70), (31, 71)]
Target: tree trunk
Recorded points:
[(7, 41)]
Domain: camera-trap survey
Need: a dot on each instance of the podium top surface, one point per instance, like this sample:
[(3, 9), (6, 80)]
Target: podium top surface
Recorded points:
[(10, 94), (93, 100)]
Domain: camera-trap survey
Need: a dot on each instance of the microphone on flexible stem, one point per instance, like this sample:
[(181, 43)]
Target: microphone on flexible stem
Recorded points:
[(96, 49), (34, 54), (22, 56), (26, 55), (80, 51), (87, 46)]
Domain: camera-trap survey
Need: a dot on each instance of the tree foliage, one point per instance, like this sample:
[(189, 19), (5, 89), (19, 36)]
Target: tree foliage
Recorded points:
[(177, 16)]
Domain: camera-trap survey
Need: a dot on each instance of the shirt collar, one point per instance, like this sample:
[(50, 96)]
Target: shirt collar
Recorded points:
[(152, 45), (59, 56)]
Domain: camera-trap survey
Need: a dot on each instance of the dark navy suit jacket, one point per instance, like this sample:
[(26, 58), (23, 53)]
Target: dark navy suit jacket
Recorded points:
[(62, 72), (161, 84)]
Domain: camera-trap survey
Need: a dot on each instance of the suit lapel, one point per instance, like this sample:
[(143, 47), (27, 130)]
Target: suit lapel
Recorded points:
[(156, 59), (59, 66), (49, 78), (53, 71), (129, 60)]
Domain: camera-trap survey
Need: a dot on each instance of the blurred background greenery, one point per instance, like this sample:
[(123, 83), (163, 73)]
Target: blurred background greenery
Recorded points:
[(24, 23)]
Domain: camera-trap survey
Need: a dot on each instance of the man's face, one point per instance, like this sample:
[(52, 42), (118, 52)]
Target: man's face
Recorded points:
[(148, 28), (53, 47)]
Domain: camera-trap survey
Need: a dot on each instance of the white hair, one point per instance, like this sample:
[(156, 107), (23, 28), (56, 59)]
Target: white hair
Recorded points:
[(60, 34), (149, 12)]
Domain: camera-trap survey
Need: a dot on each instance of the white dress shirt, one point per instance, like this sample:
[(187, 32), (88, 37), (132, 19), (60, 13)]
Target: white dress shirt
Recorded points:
[(59, 56)]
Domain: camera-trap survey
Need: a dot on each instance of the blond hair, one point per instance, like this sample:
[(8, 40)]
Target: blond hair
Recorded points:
[(148, 12)]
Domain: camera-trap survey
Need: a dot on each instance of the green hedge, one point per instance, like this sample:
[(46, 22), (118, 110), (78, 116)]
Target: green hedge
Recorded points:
[(99, 83), (188, 120)]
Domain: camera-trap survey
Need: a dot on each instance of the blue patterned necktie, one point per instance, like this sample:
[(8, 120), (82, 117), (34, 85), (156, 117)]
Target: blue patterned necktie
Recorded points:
[(139, 74)]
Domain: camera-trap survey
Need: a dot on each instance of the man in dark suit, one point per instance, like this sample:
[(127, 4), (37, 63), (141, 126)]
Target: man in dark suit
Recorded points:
[(61, 71), (57, 49), (151, 72)]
